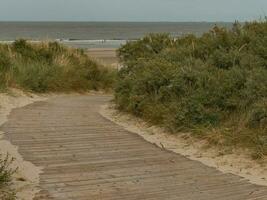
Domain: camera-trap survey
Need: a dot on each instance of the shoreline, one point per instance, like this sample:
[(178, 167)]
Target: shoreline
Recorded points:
[(80, 43)]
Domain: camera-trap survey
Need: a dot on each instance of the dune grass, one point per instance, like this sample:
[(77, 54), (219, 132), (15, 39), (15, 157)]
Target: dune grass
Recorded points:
[(50, 67), (214, 86)]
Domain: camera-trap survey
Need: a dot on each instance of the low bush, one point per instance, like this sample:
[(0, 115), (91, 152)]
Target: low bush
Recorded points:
[(200, 84), (6, 173), (49, 66)]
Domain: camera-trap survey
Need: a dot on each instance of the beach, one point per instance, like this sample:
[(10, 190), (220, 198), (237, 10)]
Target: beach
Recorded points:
[(105, 56), (173, 113)]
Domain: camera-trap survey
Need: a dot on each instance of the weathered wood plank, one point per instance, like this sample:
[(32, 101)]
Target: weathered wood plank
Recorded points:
[(87, 157)]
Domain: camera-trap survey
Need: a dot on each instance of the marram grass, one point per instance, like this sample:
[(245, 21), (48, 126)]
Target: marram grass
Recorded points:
[(49, 66)]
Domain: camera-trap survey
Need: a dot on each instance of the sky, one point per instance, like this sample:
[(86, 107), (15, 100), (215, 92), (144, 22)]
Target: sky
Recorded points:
[(132, 10)]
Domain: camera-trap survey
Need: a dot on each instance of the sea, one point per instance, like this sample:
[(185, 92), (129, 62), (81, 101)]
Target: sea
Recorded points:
[(98, 34)]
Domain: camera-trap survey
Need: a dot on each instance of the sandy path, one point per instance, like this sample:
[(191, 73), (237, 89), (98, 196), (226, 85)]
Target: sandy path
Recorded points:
[(85, 156)]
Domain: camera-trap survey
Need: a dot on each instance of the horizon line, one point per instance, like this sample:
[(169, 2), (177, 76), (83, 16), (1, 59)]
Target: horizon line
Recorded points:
[(122, 21)]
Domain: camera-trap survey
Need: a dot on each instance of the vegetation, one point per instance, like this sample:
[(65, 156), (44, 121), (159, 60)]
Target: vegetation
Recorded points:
[(6, 173), (214, 86), (49, 66)]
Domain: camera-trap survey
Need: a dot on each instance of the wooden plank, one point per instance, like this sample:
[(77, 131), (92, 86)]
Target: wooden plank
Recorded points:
[(87, 157)]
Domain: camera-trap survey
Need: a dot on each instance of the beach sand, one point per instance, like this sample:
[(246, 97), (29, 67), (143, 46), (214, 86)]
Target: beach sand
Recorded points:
[(105, 56)]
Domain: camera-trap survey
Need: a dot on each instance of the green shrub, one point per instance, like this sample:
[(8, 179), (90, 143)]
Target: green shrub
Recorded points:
[(258, 116), (5, 68), (216, 81), (6, 173)]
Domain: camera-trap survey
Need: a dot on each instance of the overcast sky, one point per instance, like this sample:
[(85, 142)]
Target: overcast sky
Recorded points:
[(132, 10)]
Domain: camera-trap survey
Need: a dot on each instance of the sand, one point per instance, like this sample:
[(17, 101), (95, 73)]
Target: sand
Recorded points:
[(105, 56), (26, 179), (238, 162)]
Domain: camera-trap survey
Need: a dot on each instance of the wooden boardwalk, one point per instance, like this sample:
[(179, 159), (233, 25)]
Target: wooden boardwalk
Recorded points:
[(87, 157)]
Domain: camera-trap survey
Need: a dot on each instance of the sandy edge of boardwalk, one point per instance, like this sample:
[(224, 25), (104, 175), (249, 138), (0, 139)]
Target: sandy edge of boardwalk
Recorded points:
[(26, 180), (238, 163)]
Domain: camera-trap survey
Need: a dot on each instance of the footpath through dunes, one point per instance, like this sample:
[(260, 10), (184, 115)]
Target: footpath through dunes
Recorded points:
[(87, 157)]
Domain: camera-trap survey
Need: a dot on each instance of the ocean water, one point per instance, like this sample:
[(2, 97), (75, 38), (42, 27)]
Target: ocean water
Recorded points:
[(97, 34)]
